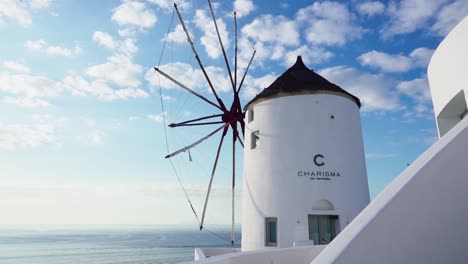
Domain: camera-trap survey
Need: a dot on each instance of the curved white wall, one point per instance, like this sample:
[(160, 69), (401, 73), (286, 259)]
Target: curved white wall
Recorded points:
[(293, 129), (420, 217), (448, 78)]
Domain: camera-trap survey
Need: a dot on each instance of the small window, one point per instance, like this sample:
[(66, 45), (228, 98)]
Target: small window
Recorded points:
[(271, 231), (251, 115), (255, 140)]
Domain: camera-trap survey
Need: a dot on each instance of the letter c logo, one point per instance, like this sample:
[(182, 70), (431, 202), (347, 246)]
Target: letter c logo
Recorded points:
[(316, 157)]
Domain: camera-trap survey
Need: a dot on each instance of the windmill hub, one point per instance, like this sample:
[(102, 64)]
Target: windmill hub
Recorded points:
[(232, 117)]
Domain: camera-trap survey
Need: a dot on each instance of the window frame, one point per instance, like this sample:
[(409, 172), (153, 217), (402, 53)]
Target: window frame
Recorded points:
[(268, 221), (250, 115), (254, 144)]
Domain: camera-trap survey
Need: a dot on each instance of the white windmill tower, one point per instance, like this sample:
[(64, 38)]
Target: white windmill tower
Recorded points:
[(304, 165)]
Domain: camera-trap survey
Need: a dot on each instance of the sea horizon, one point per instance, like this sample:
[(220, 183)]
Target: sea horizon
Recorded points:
[(107, 244)]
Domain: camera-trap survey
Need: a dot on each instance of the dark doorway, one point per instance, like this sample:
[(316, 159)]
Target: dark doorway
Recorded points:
[(322, 228)]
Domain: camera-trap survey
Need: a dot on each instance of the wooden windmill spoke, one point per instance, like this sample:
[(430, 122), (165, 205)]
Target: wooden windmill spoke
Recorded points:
[(222, 46), (240, 140), (189, 122), (212, 176), (246, 70), (189, 39), (243, 127), (235, 50), (198, 124), (228, 118), (186, 88), (196, 143)]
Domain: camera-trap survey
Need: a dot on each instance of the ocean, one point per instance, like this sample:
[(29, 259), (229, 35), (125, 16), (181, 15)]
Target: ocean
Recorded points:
[(109, 245)]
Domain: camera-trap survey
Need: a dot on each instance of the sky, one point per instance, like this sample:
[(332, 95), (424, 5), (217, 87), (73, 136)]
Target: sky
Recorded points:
[(82, 136)]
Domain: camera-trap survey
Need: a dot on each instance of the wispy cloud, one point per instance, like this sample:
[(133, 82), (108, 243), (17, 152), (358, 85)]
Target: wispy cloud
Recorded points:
[(42, 46), (17, 135), (371, 8), (396, 62), (20, 11), (187, 75), (156, 118), (209, 39), (376, 91), (16, 66), (105, 39), (96, 137), (100, 88), (118, 69), (243, 7), (329, 23), (409, 15), (134, 13), (28, 90), (449, 16)]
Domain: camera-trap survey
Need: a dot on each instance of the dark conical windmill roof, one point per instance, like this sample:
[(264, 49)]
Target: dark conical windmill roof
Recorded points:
[(301, 80)]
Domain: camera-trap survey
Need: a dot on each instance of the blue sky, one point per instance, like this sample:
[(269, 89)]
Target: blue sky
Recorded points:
[(81, 133)]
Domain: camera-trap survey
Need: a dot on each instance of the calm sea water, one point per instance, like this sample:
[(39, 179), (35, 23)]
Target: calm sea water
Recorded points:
[(121, 245)]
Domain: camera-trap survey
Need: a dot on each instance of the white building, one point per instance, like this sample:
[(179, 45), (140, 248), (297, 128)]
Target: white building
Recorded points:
[(448, 78), (421, 216), (304, 166)]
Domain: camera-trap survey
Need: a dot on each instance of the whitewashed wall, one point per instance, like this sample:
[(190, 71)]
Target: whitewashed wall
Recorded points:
[(448, 77), (299, 255), (420, 217), (293, 129)]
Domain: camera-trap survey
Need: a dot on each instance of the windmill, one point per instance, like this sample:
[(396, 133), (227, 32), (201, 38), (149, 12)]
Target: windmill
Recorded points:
[(230, 118)]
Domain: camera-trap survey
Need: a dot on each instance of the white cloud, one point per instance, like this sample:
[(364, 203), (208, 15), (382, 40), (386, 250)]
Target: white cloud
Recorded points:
[(374, 90), (178, 35), (253, 86), (310, 55), (35, 45), (169, 5), (193, 78), (449, 16), (96, 137), (409, 15), (105, 39), (243, 7), (418, 89), (210, 39), (371, 8), (31, 86), (127, 46), (16, 66), (42, 46), (26, 102), (57, 50), (127, 32), (134, 118), (20, 11), (28, 91), (79, 86), (272, 29), (119, 69), (396, 63), (329, 23), (36, 4), (134, 13), (14, 136), (156, 118), (270, 36)]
